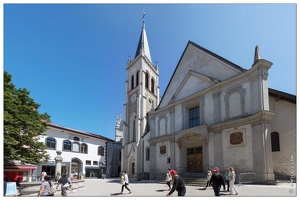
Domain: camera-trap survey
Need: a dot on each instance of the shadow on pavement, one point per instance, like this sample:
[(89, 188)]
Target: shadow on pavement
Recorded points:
[(161, 190), (115, 194)]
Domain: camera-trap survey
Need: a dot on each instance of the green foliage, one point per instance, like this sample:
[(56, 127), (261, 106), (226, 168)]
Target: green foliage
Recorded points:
[(22, 126)]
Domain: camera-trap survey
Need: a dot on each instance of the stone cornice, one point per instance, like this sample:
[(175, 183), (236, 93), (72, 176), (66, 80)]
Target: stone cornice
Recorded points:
[(253, 119), (161, 139)]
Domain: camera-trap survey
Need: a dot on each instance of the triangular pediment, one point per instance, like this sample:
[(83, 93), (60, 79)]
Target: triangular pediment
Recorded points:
[(193, 82), (205, 65)]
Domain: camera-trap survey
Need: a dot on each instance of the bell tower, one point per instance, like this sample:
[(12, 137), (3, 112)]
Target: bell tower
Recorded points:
[(142, 95)]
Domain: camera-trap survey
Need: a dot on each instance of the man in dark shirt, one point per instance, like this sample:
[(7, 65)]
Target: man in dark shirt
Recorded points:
[(178, 184), (217, 180)]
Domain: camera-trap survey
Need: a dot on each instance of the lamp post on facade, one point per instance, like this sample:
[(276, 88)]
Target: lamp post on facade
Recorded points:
[(58, 160)]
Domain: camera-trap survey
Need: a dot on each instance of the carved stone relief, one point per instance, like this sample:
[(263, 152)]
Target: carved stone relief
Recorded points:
[(236, 138)]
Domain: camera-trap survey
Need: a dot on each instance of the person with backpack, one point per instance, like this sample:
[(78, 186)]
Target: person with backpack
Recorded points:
[(46, 187)]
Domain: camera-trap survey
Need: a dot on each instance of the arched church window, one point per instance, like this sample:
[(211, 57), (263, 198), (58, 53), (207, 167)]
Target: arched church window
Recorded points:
[(147, 153), (132, 81), (275, 141), (76, 138), (133, 131), (147, 80), (137, 78), (120, 156), (152, 85)]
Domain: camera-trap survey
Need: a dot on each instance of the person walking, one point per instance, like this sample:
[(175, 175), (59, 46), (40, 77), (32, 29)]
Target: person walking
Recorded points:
[(65, 182), (169, 179), (209, 174), (227, 177), (231, 181), (178, 184), (42, 175), (45, 187), (126, 182), (217, 180)]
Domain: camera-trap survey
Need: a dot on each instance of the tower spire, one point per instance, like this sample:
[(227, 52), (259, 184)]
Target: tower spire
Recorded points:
[(143, 46)]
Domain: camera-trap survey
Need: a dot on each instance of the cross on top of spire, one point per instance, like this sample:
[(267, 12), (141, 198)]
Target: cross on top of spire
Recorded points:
[(143, 16)]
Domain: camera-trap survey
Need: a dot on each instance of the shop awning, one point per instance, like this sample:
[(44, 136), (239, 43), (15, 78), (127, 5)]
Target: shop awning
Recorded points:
[(21, 167)]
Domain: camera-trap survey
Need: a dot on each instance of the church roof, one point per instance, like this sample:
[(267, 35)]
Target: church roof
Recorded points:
[(217, 56), (235, 68), (143, 46)]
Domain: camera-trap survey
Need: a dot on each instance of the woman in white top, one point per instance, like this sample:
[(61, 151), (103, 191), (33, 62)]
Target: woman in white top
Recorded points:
[(169, 179), (126, 182), (232, 180)]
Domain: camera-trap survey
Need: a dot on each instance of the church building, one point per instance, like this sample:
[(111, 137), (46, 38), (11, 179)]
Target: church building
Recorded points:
[(213, 113)]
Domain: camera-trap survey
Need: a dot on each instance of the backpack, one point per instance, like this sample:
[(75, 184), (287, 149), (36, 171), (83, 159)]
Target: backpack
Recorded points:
[(52, 189)]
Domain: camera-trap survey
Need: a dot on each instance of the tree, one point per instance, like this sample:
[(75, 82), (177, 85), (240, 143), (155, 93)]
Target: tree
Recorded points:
[(22, 126)]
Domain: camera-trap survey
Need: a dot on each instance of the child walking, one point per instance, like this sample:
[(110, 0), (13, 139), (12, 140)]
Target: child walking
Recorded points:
[(208, 178)]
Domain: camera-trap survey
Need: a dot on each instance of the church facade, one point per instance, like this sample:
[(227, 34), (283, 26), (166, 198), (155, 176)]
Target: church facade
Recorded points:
[(212, 113)]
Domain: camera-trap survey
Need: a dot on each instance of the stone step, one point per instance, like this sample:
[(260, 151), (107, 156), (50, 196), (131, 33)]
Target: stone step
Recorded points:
[(201, 182)]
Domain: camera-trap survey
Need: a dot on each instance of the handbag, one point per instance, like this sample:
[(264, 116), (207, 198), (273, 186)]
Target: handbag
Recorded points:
[(66, 185), (122, 182), (52, 189)]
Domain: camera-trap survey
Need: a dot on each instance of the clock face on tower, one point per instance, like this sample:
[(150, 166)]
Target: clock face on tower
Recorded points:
[(133, 98)]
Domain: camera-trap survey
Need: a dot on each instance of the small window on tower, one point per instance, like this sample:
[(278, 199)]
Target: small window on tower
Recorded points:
[(147, 80), (137, 78), (152, 85), (132, 82)]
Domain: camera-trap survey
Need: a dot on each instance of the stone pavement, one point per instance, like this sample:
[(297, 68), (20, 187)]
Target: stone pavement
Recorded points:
[(149, 188)]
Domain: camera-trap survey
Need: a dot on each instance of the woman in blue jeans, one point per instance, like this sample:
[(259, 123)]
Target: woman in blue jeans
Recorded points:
[(178, 184)]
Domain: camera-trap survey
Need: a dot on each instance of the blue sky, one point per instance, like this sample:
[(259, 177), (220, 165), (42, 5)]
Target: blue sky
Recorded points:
[(72, 57)]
